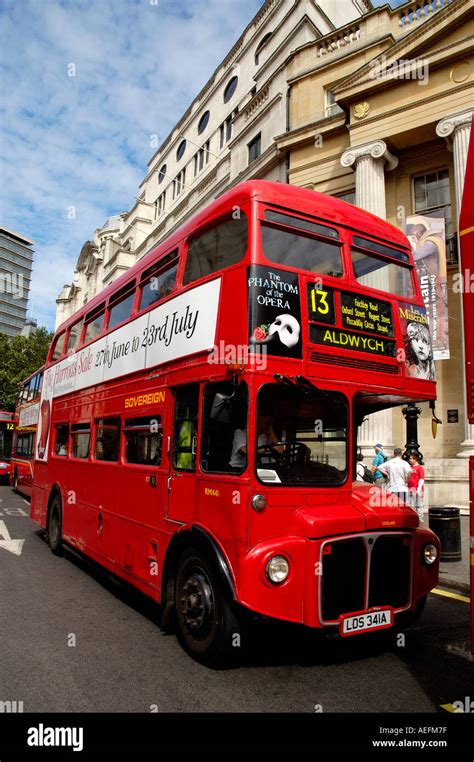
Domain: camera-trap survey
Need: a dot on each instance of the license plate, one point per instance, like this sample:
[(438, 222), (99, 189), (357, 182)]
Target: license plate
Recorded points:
[(372, 620)]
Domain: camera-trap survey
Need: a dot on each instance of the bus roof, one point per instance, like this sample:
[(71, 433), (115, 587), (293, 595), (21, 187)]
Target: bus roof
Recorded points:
[(291, 197)]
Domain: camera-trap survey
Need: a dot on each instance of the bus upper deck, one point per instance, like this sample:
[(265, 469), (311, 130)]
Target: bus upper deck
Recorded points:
[(328, 285)]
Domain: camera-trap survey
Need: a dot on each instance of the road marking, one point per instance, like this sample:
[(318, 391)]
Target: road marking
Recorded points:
[(458, 597), (13, 546)]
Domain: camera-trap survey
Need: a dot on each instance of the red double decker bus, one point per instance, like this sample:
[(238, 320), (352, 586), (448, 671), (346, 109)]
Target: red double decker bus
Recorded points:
[(24, 441), (199, 417), (7, 426)]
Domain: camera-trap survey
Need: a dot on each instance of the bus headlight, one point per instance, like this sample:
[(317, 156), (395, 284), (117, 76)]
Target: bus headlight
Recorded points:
[(277, 569), (259, 502), (430, 554)]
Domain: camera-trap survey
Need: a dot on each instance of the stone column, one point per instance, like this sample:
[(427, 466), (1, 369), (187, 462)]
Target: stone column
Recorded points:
[(370, 161), (456, 130)]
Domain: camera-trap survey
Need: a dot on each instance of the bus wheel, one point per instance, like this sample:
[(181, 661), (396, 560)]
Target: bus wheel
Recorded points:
[(207, 628), (55, 527)]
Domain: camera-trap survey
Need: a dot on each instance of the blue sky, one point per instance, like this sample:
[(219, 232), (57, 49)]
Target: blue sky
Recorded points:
[(83, 141)]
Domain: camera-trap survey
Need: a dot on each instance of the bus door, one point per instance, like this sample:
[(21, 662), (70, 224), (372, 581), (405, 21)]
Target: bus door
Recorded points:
[(182, 469)]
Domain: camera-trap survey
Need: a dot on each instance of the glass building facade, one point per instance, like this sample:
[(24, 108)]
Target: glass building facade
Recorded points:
[(16, 264)]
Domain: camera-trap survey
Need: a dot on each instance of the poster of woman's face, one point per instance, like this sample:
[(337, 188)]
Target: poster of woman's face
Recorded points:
[(419, 359)]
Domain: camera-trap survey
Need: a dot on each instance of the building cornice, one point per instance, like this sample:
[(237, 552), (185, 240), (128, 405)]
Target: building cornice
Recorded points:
[(306, 133), (407, 107), (416, 39), (279, 51), (346, 54)]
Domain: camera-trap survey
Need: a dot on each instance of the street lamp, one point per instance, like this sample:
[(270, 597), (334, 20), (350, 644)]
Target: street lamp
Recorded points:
[(411, 413)]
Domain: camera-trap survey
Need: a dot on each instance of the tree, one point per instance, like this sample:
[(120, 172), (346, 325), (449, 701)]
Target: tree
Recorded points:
[(19, 358)]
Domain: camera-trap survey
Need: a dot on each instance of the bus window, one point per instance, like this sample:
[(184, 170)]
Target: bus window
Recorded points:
[(220, 247), (121, 310), (302, 436), (107, 440), (24, 445), (81, 437), (35, 385), (158, 286), (74, 336), (298, 222), (185, 427), (379, 248), (58, 346), (61, 441), (143, 438), (292, 249), (381, 274), (224, 428), (94, 325)]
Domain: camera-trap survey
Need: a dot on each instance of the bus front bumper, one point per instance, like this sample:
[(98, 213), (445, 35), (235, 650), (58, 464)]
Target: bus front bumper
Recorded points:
[(332, 578)]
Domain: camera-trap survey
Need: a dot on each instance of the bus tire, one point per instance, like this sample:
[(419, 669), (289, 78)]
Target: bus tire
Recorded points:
[(206, 625), (55, 522)]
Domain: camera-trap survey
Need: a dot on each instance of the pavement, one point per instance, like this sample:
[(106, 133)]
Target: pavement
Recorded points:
[(455, 575)]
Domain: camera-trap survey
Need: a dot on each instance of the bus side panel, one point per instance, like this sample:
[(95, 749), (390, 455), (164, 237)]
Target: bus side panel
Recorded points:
[(222, 505), (39, 496), (139, 499)]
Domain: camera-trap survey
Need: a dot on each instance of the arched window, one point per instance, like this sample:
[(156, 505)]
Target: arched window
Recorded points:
[(181, 150), (162, 174), (203, 122), (261, 45), (230, 88)]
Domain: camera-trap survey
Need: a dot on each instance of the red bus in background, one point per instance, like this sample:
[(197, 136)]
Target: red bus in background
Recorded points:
[(7, 427), (26, 417), (199, 417)]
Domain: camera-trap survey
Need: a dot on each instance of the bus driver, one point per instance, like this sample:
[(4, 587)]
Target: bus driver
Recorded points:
[(266, 437)]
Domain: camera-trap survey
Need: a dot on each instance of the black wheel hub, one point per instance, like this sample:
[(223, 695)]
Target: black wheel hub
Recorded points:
[(197, 603)]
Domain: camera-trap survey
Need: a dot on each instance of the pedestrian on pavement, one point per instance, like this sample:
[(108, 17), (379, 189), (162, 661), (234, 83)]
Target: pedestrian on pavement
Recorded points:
[(360, 468), (379, 477), (398, 472), (416, 485)]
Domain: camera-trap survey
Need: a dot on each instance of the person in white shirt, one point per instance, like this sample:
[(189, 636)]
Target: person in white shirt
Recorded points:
[(266, 436), (360, 469), (398, 472)]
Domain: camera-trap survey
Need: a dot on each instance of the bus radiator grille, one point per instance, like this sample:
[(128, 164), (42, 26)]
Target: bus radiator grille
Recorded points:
[(345, 574)]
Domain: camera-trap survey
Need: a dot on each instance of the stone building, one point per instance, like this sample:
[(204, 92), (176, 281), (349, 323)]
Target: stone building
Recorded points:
[(225, 136), (383, 121), (372, 105)]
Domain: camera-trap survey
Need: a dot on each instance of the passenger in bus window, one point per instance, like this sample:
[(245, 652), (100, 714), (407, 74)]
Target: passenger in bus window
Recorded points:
[(266, 437)]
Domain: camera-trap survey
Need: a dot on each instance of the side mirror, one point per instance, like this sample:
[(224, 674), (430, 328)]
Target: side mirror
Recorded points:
[(221, 407)]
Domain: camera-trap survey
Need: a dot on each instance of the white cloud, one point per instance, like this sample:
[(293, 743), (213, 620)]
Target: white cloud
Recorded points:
[(85, 140)]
